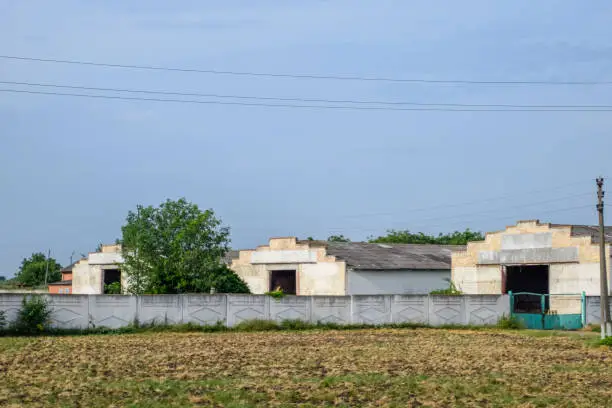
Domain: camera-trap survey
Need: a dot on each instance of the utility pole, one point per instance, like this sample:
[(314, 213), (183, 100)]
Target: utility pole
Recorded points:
[(606, 326), (47, 267)]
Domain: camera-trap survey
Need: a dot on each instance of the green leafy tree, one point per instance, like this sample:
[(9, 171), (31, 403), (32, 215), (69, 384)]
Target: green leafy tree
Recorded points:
[(177, 248), (338, 238), (407, 237), (32, 270)]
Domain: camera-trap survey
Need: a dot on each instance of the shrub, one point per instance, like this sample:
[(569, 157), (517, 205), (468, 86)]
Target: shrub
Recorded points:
[(510, 323), (112, 288), (295, 324), (276, 294), (34, 316), (606, 341), (450, 291), (2, 319), (257, 325)]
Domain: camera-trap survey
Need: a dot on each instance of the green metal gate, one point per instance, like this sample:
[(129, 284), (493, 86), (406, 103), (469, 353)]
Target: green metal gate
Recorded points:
[(534, 310)]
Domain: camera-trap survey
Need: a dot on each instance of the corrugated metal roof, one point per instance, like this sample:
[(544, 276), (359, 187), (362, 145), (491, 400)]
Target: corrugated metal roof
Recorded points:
[(367, 256)]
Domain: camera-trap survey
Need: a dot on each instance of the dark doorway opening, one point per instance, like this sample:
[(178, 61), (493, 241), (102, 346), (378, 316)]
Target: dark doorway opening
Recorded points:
[(532, 279), (283, 279), (111, 276)]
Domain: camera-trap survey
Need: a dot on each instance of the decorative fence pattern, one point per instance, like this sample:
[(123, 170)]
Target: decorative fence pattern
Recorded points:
[(82, 311)]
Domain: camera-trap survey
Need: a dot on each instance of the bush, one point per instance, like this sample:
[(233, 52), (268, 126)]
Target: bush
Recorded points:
[(296, 324), (2, 319), (256, 325), (606, 341), (112, 288), (34, 316), (276, 294), (450, 291), (510, 323)]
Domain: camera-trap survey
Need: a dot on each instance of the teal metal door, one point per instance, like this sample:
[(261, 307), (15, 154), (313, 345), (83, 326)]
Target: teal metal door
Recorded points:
[(534, 310)]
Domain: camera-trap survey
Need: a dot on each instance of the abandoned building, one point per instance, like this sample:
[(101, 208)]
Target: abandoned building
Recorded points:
[(533, 257), (344, 268), (92, 274)]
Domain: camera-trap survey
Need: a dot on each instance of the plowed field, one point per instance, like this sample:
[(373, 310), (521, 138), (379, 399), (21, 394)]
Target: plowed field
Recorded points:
[(382, 368)]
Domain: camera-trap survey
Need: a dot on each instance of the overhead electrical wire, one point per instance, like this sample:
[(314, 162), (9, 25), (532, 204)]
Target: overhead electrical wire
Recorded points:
[(303, 106), (284, 99), (305, 76), (466, 221)]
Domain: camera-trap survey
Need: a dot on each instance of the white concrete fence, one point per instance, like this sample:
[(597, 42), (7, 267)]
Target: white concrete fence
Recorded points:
[(83, 311)]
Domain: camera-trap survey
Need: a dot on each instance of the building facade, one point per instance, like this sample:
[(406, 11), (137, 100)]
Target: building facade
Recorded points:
[(344, 268), (90, 275), (63, 287), (533, 257)]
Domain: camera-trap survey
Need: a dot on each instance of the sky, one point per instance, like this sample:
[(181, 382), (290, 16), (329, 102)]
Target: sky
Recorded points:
[(71, 168)]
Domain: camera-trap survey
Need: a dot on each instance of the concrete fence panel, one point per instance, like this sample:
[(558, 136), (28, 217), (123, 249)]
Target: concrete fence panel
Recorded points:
[(69, 312), (593, 310), (112, 311), (445, 310), (246, 307), (410, 309), (289, 307), (160, 309), (10, 305), (331, 309), (486, 310), (204, 309), (371, 309)]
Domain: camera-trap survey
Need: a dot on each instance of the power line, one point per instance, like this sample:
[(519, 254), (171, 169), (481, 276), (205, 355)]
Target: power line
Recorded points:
[(345, 101), (472, 202), (305, 76), (333, 230), (282, 105)]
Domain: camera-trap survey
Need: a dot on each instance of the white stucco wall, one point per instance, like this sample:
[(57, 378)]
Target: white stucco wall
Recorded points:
[(105, 258), (396, 282), (86, 279), (324, 278), (255, 276), (481, 280), (574, 278)]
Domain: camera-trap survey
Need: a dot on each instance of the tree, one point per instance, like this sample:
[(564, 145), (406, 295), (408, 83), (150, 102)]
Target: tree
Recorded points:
[(177, 248), (33, 269), (338, 238), (407, 237)]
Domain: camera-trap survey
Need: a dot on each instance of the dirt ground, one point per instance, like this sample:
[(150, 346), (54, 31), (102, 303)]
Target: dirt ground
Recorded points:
[(378, 368)]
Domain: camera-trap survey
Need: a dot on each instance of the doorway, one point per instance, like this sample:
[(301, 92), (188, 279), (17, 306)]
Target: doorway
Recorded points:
[(111, 276), (532, 279), (285, 279)]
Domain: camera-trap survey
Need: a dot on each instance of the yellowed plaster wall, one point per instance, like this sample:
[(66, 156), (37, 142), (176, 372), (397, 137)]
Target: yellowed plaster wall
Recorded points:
[(86, 279), (323, 276), (561, 238), (483, 280), (564, 278)]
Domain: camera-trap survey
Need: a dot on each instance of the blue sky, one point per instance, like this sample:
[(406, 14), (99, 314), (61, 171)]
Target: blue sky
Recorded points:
[(71, 168)]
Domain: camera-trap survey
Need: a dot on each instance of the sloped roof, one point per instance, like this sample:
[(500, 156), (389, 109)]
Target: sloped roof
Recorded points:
[(61, 283), (367, 256), (69, 267), (588, 230)]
